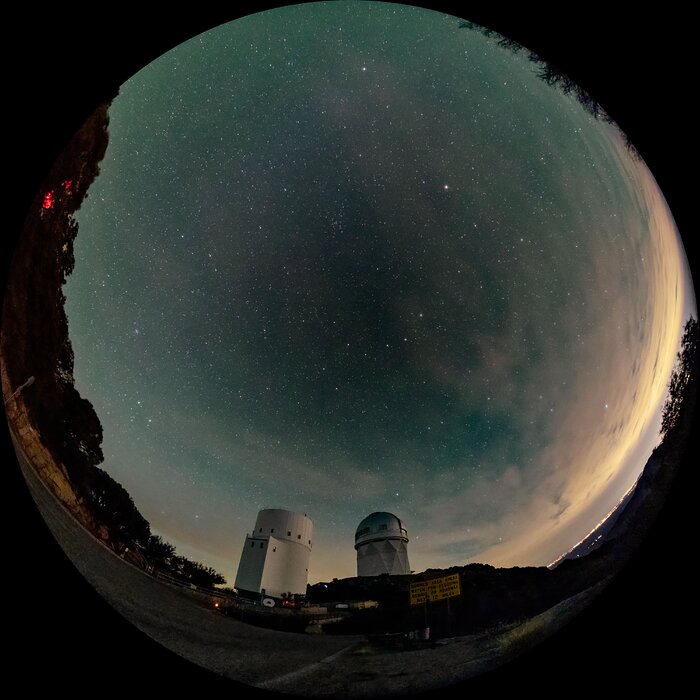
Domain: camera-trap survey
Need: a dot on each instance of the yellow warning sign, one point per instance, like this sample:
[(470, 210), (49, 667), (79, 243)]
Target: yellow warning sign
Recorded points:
[(434, 589)]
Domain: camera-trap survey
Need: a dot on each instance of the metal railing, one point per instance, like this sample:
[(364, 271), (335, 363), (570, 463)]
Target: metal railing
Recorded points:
[(174, 581)]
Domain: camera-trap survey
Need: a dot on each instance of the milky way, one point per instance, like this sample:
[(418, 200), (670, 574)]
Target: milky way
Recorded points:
[(350, 257)]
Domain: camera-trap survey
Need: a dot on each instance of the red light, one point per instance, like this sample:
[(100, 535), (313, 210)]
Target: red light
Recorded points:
[(67, 184), (48, 200)]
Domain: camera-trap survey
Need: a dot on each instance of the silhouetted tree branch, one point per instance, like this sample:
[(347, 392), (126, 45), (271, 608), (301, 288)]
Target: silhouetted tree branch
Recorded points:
[(555, 77), (683, 378)]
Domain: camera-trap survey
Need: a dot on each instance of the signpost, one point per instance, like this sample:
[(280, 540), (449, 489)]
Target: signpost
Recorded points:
[(434, 589), (440, 588)]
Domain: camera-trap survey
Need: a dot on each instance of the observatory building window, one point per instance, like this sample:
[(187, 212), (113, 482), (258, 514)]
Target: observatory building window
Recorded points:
[(289, 533), (261, 545), (272, 529), (260, 529), (298, 537), (252, 544), (274, 549)]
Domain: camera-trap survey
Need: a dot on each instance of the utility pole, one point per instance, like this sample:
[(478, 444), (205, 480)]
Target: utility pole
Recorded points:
[(29, 382)]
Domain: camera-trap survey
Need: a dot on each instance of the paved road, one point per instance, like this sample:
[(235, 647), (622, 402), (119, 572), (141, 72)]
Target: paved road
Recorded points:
[(174, 617)]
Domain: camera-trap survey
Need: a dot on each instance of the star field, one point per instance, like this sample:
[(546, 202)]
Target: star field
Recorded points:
[(348, 257)]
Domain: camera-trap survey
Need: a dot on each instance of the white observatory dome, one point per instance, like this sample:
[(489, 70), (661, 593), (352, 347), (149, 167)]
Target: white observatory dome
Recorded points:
[(380, 541), (379, 526)]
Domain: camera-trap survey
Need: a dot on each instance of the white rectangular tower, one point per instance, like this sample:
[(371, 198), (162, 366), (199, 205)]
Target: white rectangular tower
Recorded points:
[(276, 555)]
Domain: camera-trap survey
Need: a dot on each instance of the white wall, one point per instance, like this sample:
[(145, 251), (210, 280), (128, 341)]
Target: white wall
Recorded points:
[(276, 556)]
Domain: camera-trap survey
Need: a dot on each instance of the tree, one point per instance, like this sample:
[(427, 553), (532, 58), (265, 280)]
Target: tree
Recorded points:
[(683, 378), (210, 577), (555, 77), (195, 573), (112, 505), (157, 549)]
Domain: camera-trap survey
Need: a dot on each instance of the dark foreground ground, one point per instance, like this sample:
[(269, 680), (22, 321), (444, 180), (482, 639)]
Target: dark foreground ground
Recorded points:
[(310, 665)]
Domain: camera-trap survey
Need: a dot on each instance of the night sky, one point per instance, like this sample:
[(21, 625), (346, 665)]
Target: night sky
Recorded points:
[(350, 257)]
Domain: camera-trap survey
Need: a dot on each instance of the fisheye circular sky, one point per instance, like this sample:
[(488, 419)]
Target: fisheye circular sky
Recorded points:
[(350, 257)]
